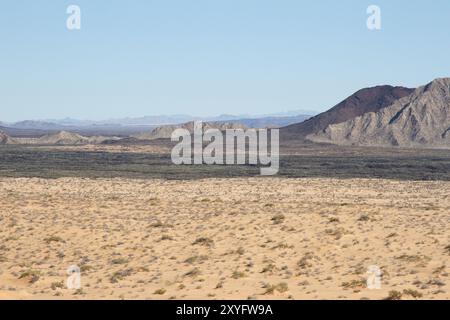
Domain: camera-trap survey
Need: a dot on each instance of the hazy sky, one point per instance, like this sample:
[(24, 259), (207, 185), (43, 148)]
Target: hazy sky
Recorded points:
[(208, 57)]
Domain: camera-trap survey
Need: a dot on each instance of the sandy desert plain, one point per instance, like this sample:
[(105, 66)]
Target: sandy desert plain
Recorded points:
[(139, 228)]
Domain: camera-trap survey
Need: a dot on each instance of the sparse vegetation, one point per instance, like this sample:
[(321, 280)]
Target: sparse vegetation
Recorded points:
[(30, 274), (270, 268), (282, 246), (337, 233), (51, 239), (196, 259), (86, 268), (436, 282), (160, 224), (119, 261), (280, 287), (235, 248), (410, 258), (238, 274), (364, 217), (413, 293), (447, 249), (278, 218), (355, 284), (57, 285), (439, 270), (391, 235), (120, 275), (79, 291), (305, 261), (394, 295), (160, 291), (193, 273), (203, 241)]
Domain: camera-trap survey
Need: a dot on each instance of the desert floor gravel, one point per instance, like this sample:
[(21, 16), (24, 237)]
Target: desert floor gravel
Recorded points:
[(246, 238)]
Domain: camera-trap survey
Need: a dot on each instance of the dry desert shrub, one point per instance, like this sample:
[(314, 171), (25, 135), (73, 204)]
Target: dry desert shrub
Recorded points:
[(30, 274), (203, 241), (336, 233), (305, 261), (196, 259), (436, 282), (193, 273), (120, 275), (283, 246), (79, 292), (159, 224), (280, 287), (439, 270), (165, 237), (364, 217), (50, 239), (238, 274), (57, 285), (447, 249), (413, 293), (270, 268), (394, 295), (278, 218), (86, 268), (160, 291), (119, 261), (354, 284)]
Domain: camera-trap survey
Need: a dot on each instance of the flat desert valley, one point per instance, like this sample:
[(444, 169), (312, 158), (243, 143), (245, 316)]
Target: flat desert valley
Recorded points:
[(231, 151), (224, 238)]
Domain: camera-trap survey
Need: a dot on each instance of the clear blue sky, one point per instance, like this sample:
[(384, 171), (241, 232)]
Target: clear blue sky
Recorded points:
[(208, 57)]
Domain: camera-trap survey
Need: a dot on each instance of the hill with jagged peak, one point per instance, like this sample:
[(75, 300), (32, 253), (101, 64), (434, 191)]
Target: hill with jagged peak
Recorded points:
[(361, 102), (421, 119)]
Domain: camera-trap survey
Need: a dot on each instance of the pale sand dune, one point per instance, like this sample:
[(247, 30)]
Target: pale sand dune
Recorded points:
[(223, 238)]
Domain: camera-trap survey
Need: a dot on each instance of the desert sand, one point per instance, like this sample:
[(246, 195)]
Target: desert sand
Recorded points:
[(245, 238)]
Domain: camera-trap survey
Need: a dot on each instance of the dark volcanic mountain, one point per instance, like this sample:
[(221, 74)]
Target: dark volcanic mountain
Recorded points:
[(421, 119), (363, 101)]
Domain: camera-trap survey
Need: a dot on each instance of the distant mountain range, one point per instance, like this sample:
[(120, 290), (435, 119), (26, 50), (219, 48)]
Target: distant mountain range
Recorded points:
[(70, 131), (278, 119), (383, 116)]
